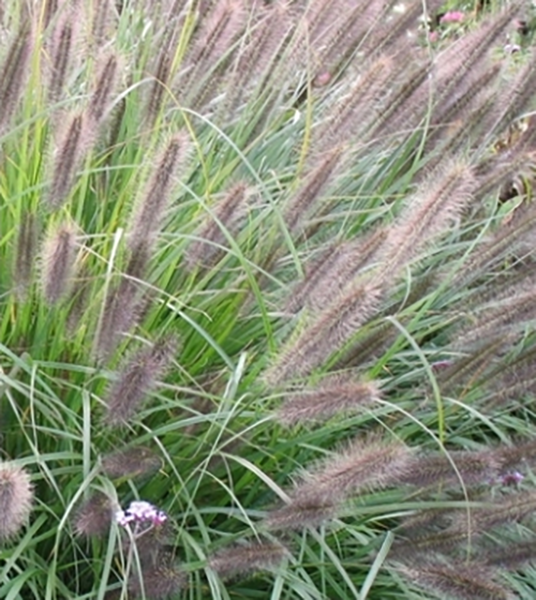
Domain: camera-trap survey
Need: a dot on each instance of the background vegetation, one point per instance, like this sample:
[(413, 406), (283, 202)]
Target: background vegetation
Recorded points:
[(267, 266)]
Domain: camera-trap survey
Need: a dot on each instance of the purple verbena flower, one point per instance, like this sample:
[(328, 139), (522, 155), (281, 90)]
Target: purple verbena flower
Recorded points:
[(140, 511)]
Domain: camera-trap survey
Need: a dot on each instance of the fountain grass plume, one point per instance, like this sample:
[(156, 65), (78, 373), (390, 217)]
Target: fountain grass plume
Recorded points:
[(458, 469), (70, 150), (16, 499), (366, 464), (246, 559), (334, 396), (63, 51), (460, 581), (58, 261), (25, 255), (123, 304), (338, 264), (159, 581), (508, 509), (136, 380), (304, 200), (93, 518), (321, 337), (15, 71), (299, 514), (105, 82), (225, 216), (152, 204), (437, 204), (130, 463)]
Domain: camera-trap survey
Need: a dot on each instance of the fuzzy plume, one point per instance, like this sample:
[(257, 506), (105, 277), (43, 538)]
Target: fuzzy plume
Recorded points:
[(458, 468), (360, 107), (226, 215), (151, 207), (511, 508), (136, 380), (59, 255), (303, 201), (366, 464), (507, 238), (510, 556), (459, 581), (299, 514), (522, 453), (101, 22), (162, 75), (469, 52), (130, 463), (123, 304), (334, 396), (104, 87), (330, 331), (94, 516), (26, 250), (428, 213), (246, 559), (16, 497), (255, 62), (69, 153), (211, 49), (160, 581), (63, 50), (501, 318), (328, 276), (414, 548), (15, 72)]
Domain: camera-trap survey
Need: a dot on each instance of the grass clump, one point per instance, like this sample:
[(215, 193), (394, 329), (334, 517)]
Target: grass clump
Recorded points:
[(266, 324)]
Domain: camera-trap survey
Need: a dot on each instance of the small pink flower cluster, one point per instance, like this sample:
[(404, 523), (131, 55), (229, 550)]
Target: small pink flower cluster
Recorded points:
[(452, 16), (513, 478), (140, 511)]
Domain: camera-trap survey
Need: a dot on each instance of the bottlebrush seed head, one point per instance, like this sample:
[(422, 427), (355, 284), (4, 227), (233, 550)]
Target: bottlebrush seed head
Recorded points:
[(16, 497)]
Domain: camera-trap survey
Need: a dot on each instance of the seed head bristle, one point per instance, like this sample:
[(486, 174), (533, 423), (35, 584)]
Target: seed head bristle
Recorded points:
[(132, 462), (247, 558), (104, 87), (25, 254), (101, 22), (458, 468), (226, 214), (158, 581), (461, 581), (299, 514), (427, 214), (59, 255), (63, 50), (333, 327), (123, 304), (258, 55), (301, 203), (151, 206), (94, 516), (366, 464), (16, 498), (68, 155), (335, 396), (136, 380), (336, 267), (15, 72)]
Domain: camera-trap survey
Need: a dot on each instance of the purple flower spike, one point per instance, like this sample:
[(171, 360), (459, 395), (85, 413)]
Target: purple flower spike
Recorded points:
[(140, 511)]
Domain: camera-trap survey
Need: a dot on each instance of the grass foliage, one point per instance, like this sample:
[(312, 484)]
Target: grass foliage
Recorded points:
[(267, 266)]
